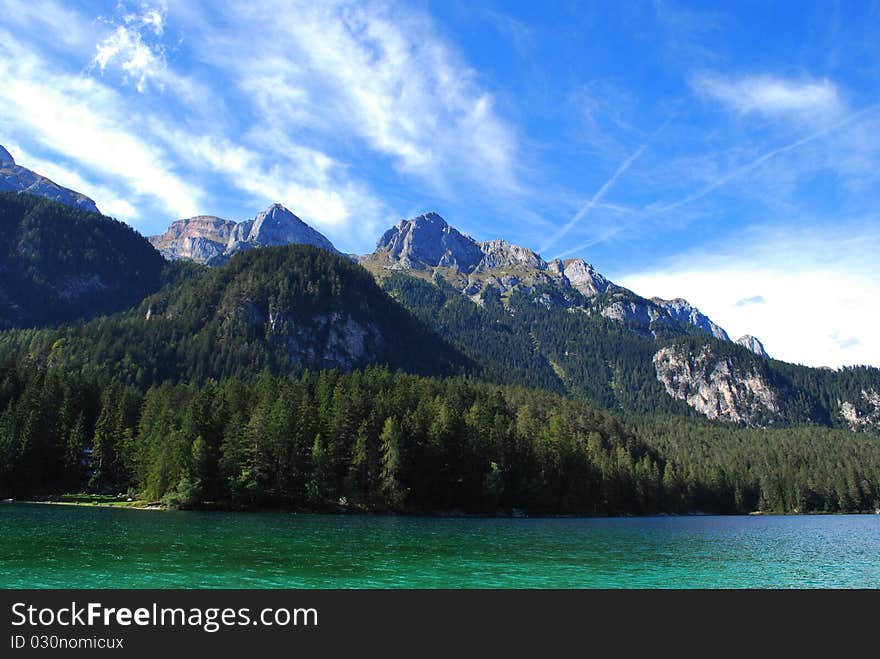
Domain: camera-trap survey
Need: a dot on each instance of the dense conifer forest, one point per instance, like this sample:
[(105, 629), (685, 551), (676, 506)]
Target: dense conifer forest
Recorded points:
[(377, 440), (59, 264)]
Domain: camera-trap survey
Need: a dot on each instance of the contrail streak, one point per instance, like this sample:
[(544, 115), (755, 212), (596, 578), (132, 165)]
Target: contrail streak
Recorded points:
[(595, 199), (717, 183)]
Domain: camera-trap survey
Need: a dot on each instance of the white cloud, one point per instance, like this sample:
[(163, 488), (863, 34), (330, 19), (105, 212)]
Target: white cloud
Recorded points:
[(60, 24), (755, 299), (128, 48), (308, 181), (88, 124), (281, 101), (775, 97), (821, 290)]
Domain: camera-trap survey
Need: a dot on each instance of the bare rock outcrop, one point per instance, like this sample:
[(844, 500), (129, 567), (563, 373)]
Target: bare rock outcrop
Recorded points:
[(863, 414), (754, 345), (428, 245), (719, 387)]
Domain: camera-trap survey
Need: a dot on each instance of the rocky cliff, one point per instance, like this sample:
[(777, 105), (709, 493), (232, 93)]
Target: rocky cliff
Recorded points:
[(683, 311), (863, 414), (15, 178), (718, 386), (212, 240)]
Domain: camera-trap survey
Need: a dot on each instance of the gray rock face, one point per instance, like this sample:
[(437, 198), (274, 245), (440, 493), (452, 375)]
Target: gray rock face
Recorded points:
[(754, 345), (631, 312), (428, 242), (278, 226), (210, 239), (331, 340), (199, 238), (500, 254), (14, 178), (717, 387), (584, 277), (863, 414), (683, 311)]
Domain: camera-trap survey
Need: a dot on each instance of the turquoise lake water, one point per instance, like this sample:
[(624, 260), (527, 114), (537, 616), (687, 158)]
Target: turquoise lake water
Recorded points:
[(47, 546)]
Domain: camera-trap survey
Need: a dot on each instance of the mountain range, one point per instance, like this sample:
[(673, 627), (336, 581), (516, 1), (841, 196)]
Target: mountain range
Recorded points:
[(494, 309), (427, 246), (526, 319), (206, 365)]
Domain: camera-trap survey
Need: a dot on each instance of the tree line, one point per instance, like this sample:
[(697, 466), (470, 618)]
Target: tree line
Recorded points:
[(378, 440)]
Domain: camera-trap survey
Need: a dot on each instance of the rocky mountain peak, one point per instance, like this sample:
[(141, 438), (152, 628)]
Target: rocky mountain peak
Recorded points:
[(584, 277), (5, 157), (753, 344), (426, 242), (278, 226), (499, 253)]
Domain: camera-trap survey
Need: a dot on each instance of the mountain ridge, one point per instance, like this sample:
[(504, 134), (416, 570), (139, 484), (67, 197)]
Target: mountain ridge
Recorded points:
[(15, 178), (428, 245)]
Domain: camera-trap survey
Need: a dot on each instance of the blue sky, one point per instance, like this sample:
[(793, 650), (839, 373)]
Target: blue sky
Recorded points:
[(723, 152)]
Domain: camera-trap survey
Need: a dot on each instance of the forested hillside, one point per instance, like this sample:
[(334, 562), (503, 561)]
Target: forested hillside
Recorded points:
[(281, 309), (530, 342), (288, 378), (59, 264)]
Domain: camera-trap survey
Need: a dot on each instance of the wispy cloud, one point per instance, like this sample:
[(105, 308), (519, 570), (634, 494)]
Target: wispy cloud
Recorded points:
[(88, 124), (368, 72), (847, 343), (172, 142), (182, 110), (771, 96), (842, 155), (107, 199), (763, 158), (755, 299)]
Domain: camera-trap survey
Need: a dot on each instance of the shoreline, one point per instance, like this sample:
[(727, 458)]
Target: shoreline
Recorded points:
[(123, 505), (155, 506)]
